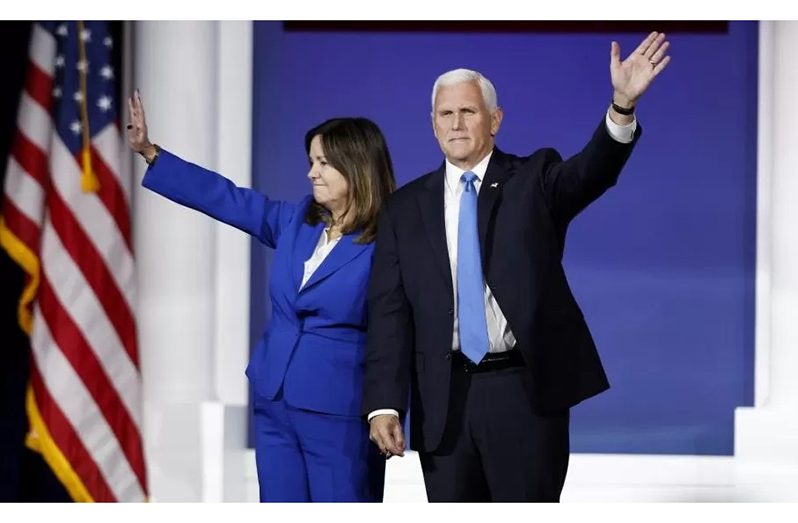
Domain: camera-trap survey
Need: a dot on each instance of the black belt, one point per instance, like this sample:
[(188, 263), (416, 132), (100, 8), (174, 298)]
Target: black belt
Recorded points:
[(491, 361)]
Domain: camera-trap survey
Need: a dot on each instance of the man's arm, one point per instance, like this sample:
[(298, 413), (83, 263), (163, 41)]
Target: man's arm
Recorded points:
[(389, 344), (571, 185)]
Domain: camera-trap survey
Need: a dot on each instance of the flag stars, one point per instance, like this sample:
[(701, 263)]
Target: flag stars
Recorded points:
[(107, 72), (104, 103), (85, 35), (78, 96), (108, 42), (75, 127), (82, 66), (59, 61), (62, 30), (57, 92)]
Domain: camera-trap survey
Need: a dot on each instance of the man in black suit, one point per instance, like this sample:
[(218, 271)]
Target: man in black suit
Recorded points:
[(470, 313)]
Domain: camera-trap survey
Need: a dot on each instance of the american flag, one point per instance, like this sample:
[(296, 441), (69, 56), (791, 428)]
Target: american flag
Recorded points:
[(66, 221)]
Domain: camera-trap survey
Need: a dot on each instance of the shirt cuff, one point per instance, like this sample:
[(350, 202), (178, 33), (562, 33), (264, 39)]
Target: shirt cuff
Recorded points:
[(382, 411), (621, 133)]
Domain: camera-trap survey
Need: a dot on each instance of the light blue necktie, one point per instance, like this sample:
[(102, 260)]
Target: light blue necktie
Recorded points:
[(470, 294)]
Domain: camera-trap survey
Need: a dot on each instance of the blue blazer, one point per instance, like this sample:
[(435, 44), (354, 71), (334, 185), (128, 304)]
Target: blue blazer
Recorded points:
[(314, 346)]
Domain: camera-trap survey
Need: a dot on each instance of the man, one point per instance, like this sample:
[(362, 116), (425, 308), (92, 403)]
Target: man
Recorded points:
[(470, 313)]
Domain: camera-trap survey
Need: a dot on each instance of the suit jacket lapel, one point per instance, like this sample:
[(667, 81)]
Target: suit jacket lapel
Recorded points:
[(306, 241), (344, 252), (489, 196), (432, 213)]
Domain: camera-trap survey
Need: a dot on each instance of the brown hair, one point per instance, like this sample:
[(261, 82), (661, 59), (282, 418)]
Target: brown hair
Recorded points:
[(356, 148)]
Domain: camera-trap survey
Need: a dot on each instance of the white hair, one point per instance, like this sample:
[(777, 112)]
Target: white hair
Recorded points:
[(460, 76)]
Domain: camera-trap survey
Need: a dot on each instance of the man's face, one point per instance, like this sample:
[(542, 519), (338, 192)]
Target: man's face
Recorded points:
[(464, 127)]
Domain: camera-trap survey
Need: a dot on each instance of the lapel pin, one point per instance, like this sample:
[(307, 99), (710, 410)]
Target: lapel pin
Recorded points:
[(494, 185)]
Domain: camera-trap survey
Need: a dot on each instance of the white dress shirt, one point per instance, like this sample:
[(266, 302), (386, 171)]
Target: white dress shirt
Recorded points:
[(500, 336)]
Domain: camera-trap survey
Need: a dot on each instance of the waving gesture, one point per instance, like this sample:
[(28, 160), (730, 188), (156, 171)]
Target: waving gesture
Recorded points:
[(137, 128), (631, 77)]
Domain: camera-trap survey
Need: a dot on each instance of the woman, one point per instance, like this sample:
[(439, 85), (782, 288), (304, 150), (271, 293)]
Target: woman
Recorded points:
[(307, 370)]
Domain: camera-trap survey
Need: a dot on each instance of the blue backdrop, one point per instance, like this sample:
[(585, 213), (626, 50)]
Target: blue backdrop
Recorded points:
[(663, 264)]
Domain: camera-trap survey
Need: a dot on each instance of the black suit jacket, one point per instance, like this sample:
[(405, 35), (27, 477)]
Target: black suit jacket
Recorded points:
[(524, 207)]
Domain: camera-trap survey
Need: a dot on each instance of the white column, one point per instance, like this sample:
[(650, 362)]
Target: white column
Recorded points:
[(175, 68), (766, 435), (226, 454), (234, 117), (784, 248), (196, 83)]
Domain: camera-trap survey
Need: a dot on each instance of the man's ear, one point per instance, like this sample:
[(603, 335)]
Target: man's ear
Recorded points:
[(496, 121)]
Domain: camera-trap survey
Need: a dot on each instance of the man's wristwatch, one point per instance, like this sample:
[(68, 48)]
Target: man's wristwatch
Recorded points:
[(622, 110)]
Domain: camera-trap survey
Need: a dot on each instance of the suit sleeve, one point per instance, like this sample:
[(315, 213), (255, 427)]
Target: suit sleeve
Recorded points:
[(390, 329), (216, 196), (571, 185)]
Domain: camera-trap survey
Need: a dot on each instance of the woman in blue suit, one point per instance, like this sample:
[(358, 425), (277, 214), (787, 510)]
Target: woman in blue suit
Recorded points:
[(307, 370)]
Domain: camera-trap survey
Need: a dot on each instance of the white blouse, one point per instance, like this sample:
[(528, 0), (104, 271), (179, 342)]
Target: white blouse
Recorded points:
[(323, 248)]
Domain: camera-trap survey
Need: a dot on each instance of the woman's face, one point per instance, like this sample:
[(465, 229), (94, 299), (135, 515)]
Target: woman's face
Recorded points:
[(330, 188)]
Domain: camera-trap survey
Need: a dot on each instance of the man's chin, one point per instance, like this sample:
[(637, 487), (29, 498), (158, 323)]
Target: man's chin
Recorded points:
[(458, 154)]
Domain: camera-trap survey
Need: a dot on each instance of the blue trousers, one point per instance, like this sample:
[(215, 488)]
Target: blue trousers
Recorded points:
[(312, 456)]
